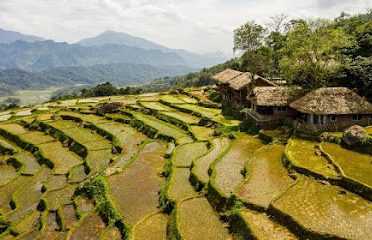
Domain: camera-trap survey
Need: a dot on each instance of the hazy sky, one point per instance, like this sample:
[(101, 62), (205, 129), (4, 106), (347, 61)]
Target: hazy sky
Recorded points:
[(195, 25)]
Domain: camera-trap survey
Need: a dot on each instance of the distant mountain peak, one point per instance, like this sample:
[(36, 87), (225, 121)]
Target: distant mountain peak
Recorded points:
[(120, 38), (7, 36), (112, 31)]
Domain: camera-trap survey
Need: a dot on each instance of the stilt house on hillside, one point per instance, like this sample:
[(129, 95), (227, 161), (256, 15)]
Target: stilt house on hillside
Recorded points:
[(235, 85), (331, 109), (323, 109), (270, 106)]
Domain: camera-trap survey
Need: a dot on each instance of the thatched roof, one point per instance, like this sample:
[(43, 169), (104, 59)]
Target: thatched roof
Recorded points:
[(334, 100), (245, 79), (263, 82), (271, 96), (226, 76), (241, 81)]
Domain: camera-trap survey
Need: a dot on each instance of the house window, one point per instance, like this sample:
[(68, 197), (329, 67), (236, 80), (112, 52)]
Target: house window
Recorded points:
[(357, 117), (304, 118), (333, 118), (316, 119), (282, 109), (319, 119)]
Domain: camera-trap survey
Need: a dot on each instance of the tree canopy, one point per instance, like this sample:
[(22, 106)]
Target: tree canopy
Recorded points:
[(311, 53), (249, 36)]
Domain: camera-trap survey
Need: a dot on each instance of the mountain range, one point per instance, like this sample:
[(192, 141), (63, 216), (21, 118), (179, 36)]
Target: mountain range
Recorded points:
[(32, 62), (11, 36), (191, 59)]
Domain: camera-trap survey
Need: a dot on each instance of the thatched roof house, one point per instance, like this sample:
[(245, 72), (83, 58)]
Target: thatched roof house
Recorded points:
[(331, 109), (226, 76), (271, 96), (332, 100), (270, 105), (246, 80), (235, 86), (241, 81)]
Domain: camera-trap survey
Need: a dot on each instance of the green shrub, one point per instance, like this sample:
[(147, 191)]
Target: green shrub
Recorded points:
[(97, 189)]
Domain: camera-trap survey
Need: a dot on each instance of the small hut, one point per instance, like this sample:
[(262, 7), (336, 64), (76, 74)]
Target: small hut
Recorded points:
[(242, 86), (270, 105), (331, 109), (236, 86), (222, 80)]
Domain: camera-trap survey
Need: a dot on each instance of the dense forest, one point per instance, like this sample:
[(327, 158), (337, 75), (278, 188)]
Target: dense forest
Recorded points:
[(310, 53), (118, 74)]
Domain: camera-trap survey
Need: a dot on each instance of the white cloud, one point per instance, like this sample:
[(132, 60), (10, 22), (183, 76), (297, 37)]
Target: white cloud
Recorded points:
[(196, 25)]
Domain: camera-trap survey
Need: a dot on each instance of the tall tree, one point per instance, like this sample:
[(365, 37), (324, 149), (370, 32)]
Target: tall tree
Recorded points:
[(249, 36), (358, 76), (313, 53), (258, 61), (275, 40), (278, 23)]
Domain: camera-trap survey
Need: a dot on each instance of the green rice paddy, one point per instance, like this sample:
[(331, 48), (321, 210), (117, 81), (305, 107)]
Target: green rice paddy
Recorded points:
[(227, 172), (186, 153), (356, 166), (154, 227), (135, 190), (164, 128), (261, 226), (201, 165), (305, 154), (318, 207), (266, 177), (180, 188), (196, 213), (156, 106), (165, 166)]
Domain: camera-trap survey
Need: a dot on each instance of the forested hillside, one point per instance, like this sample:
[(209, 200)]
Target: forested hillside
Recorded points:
[(310, 53), (43, 55), (191, 59), (119, 74)]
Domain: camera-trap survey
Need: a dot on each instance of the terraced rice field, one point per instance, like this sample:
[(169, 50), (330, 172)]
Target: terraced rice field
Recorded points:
[(172, 99), (91, 227), (135, 190), (186, 118), (227, 172), (207, 112), (153, 227), (195, 213), (164, 166), (305, 155), (164, 128), (356, 166), (259, 225), (156, 106), (186, 153), (201, 133), (326, 212), (266, 177), (180, 188), (201, 165)]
